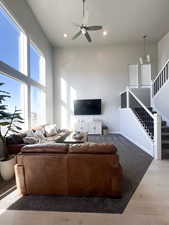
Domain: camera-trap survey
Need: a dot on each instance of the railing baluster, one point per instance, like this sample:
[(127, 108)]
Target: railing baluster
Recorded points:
[(167, 70), (164, 76), (159, 83), (161, 79)]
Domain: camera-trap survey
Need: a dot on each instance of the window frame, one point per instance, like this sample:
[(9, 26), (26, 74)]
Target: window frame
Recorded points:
[(25, 76)]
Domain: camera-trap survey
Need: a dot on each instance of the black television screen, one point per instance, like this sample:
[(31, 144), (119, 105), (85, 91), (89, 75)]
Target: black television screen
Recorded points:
[(87, 107)]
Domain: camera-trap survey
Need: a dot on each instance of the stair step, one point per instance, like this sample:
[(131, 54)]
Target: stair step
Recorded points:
[(165, 129), (150, 123), (165, 133), (165, 142), (165, 145), (165, 138), (165, 155)]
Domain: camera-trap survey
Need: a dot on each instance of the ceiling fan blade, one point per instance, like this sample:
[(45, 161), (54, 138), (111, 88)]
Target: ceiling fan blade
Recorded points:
[(76, 24), (76, 35), (93, 28), (88, 37)]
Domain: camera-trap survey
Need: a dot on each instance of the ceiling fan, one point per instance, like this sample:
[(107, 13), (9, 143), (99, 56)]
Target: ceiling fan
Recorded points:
[(84, 28)]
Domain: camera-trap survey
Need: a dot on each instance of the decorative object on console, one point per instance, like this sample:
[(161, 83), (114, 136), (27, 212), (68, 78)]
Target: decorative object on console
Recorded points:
[(105, 130)]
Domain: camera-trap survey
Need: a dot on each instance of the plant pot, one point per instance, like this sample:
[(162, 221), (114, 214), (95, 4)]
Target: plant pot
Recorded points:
[(7, 168), (3, 150)]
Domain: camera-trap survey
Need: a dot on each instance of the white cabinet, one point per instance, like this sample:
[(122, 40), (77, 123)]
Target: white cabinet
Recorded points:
[(92, 127), (146, 75), (81, 126), (95, 127)]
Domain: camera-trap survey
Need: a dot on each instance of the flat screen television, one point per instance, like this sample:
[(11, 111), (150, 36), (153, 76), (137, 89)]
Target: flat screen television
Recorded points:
[(87, 107)]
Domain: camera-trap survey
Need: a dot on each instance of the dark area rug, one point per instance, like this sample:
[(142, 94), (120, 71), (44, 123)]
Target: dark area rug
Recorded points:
[(135, 163)]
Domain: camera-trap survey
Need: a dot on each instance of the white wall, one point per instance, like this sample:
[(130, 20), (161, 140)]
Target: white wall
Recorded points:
[(144, 94), (163, 51), (95, 72), (131, 128), (24, 16)]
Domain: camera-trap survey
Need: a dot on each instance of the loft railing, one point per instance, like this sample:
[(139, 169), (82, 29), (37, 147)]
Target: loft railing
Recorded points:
[(151, 122), (143, 113), (161, 78)]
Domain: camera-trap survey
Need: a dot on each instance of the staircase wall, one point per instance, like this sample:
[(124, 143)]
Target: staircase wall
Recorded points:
[(131, 128), (161, 102), (163, 51)]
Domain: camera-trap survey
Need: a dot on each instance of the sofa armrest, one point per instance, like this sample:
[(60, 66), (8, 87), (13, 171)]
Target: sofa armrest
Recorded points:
[(20, 179)]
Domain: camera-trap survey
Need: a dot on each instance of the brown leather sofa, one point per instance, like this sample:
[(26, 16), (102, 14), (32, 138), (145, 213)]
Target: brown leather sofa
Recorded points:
[(77, 170)]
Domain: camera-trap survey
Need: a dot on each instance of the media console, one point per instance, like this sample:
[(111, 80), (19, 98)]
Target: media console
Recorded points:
[(90, 126)]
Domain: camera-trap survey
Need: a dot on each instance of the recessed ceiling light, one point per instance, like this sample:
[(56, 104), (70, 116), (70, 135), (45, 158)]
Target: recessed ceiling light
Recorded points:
[(65, 35), (105, 33)]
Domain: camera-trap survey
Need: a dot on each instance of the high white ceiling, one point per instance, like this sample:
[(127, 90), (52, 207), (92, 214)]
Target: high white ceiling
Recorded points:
[(125, 20)]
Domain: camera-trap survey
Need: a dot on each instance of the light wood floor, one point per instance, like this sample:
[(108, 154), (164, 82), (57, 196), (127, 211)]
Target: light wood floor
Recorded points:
[(152, 195), (148, 206)]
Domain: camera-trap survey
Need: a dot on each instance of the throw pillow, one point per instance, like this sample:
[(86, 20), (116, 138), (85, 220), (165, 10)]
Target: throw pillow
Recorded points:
[(30, 133), (51, 130), (30, 140)]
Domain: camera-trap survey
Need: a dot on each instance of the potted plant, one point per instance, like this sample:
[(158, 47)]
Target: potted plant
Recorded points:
[(9, 123)]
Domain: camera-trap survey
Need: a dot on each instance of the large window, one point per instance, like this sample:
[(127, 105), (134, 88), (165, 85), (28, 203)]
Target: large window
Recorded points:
[(16, 91), (37, 65), (9, 41), (37, 107), (15, 88), (28, 92)]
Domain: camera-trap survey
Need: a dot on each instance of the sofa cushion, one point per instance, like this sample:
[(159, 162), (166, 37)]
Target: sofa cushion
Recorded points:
[(45, 148), (92, 148)]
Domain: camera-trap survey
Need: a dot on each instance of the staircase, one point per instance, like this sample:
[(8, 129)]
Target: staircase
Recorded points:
[(152, 126), (148, 124)]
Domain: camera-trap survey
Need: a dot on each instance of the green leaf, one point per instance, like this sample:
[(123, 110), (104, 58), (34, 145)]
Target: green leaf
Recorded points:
[(4, 123), (5, 96), (20, 121), (3, 107), (5, 92), (17, 127), (15, 131)]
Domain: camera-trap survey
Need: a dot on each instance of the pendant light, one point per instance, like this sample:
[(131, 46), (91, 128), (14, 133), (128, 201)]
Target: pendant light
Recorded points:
[(146, 58)]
